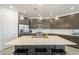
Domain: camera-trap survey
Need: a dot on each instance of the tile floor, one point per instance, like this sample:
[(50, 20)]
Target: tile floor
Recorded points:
[(69, 50)]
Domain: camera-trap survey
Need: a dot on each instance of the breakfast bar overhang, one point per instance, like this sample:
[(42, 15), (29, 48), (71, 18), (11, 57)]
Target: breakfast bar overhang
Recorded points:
[(51, 40), (31, 42)]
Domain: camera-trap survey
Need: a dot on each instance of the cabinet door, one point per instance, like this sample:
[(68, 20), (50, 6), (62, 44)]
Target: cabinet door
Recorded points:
[(10, 26), (1, 29), (33, 23), (67, 22), (46, 23), (72, 21), (25, 21), (1, 24), (58, 24), (75, 21)]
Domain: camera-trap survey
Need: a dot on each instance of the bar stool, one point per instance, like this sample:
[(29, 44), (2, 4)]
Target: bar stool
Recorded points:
[(40, 51), (58, 52), (21, 52)]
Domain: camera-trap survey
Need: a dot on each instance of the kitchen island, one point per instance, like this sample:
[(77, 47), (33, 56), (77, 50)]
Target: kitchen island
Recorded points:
[(31, 43)]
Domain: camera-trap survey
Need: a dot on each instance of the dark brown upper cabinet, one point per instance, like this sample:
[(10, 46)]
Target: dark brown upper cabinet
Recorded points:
[(75, 21), (25, 21), (58, 24), (46, 23), (35, 23), (65, 22)]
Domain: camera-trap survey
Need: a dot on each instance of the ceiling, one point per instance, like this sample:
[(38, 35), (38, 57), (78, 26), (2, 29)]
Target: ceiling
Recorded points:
[(33, 10)]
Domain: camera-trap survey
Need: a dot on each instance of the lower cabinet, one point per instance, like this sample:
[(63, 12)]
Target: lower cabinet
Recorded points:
[(41, 49)]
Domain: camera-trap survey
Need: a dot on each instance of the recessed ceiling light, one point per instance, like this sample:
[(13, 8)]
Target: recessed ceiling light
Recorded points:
[(72, 8), (56, 18), (21, 17), (39, 5), (10, 6), (24, 11)]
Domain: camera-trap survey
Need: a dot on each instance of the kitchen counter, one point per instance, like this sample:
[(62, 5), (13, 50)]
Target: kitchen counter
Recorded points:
[(68, 32), (51, 40)]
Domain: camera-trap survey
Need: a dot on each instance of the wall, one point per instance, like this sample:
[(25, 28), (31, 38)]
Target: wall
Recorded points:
[(9, 26), (54, 31), (57, 31)]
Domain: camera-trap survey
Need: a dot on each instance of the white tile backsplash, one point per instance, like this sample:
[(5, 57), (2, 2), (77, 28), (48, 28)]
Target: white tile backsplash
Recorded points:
[(55, 31)]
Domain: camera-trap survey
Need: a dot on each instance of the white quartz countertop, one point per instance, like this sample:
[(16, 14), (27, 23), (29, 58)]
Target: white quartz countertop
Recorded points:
[(51, 40)]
